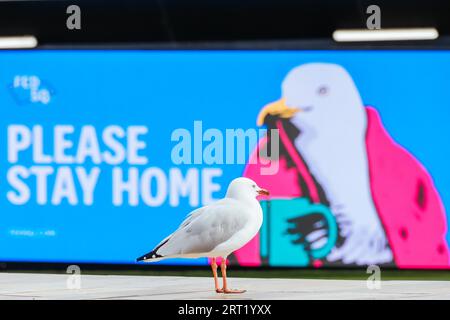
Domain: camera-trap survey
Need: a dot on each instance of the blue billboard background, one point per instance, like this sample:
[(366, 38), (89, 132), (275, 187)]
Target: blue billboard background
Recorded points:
[(166, 90)]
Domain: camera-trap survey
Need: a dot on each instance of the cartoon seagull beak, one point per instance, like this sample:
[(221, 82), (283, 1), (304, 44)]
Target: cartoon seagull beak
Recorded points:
[(277, 108), (263, 192)]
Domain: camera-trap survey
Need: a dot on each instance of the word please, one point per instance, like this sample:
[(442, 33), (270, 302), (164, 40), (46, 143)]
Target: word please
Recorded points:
[(113, 145)]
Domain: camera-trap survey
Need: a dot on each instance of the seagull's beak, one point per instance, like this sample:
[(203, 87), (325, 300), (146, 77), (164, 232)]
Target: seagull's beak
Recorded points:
[(263, 192), (277, 108)]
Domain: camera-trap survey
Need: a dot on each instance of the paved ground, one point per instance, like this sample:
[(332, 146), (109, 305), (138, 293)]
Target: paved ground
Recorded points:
[(54, 286)]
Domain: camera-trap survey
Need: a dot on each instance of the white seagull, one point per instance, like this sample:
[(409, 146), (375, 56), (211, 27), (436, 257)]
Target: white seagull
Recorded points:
[(216, 230)]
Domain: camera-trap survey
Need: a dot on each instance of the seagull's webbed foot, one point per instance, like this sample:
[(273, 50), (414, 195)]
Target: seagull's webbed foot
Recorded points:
[(233, 291), (230, 291)]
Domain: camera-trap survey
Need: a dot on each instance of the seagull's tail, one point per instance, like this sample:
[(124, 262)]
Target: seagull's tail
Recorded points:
[(153, 255)]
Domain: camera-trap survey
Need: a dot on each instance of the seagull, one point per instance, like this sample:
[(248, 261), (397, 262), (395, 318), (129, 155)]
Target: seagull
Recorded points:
[(216, 230)]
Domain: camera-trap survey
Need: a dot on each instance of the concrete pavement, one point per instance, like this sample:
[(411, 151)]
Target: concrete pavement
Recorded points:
[(54, 286)]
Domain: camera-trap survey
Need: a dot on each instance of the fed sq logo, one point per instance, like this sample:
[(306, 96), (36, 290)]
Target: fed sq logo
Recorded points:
[(30, 89)]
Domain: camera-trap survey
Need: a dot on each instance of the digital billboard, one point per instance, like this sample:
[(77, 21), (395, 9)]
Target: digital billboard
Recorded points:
[(104, 152)]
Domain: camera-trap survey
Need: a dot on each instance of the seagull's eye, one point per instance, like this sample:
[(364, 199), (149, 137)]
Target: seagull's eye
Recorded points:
[(322, 91), (254, 186)]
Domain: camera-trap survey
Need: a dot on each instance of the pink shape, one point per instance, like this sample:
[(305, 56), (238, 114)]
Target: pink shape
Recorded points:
[(406, 200), (317, 263)]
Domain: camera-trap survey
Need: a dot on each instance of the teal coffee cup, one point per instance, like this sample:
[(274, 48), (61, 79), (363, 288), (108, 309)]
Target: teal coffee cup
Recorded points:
[(287, 224)]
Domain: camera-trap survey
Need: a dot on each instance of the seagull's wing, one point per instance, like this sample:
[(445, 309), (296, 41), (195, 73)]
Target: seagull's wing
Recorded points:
[(204, 229), (191, 216)]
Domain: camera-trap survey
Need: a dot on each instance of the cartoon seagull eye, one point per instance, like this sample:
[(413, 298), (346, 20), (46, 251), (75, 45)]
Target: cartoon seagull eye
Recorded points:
[(322, 91)]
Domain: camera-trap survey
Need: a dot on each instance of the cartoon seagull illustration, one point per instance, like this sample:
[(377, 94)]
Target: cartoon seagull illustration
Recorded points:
[(336, 151)]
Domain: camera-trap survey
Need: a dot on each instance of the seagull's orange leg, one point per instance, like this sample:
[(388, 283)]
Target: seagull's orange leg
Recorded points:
[(216, 279), (223, 267)]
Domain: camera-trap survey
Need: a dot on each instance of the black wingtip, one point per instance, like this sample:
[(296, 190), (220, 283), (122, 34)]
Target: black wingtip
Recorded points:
[(140, 259), (149, 256), (152, 254)]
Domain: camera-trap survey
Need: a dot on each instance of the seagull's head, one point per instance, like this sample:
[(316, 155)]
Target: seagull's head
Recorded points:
[(315, 95), (244, 188)]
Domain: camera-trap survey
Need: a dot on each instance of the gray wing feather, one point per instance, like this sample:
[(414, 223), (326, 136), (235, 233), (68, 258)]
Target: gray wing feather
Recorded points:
[(204, 229)]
